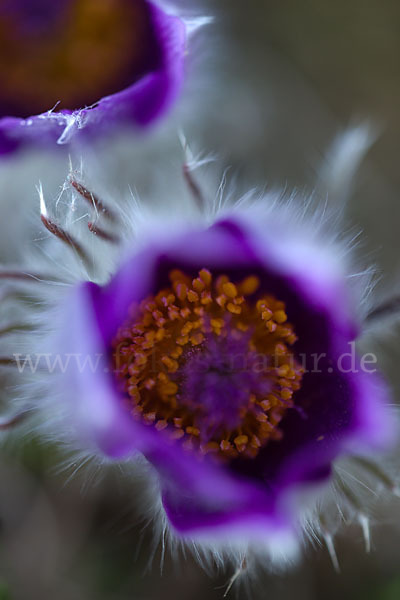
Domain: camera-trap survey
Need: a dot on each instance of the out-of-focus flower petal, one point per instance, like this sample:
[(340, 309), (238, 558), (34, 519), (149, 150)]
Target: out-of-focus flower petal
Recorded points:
[(92, 68)]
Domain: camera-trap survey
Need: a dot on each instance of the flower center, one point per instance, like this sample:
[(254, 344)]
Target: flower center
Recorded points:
[(71, 52), (209, 361)]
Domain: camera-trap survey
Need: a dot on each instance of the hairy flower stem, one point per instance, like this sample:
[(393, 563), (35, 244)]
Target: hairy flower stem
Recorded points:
[(29, 277), (194, 187), (16, 327), (94, 201), (7, 361), (10, 422), (62, 235), (104, 235)]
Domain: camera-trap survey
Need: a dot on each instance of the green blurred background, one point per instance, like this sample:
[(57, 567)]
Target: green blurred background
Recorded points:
[(286, 77)]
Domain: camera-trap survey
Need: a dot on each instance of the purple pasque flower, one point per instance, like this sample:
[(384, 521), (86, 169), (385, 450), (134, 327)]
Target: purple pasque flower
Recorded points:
[(221, 354), (85, 65)]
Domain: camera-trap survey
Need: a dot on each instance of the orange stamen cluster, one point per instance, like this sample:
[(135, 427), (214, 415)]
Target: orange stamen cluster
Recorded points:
[(151, 349), (92, 50)]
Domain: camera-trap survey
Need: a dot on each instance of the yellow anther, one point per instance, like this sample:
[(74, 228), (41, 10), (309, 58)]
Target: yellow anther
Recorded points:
[(249, 285), (209, 447), (193, 431), (177, 434), (160, 335), (173, 313), (192, 296), (225, 445), (221, 280), (140, 360), (185, 312), (160, 425), (169, 388), (233, 308), (170, 363), (286, 394), (290, 374), (283, 331), (206, 276), (150, 337), (157, 315), (273, 400), (271, 326), (241, 440), (206, 298), (275, 418), (177, 275), (284, 382), (178, 422), (218, 323), (280, 316), (182, 340), (197, 339), (167, 300), (283, 370), (255, 442), (221, 301), (198, 285), (280, 349), (181, 291), (265, 404), (177, 352), (262, 417), (134, 392), (266, 314), (230, 289), (261, 305), (187, 328)]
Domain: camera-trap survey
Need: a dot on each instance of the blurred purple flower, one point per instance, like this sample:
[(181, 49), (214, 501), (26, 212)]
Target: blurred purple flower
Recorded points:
[(85, 66)]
